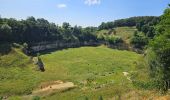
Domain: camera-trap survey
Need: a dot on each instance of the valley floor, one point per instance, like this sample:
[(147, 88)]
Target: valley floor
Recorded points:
[(75, 74)]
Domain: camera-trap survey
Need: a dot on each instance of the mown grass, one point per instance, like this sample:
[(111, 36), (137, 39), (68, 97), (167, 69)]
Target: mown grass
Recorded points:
[(95, 70)]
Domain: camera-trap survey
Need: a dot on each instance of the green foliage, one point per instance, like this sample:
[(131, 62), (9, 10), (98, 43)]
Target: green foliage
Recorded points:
[(159, 53), (1, 97), (139, 40), (113, 36), (5, 33), (147, 29), (33, 31), (113, 39), (16, 45), (35, 98), (108, 25), (132, 21), (25, 48), (86, 98), (5, 48), (147, 85), (100, 98)]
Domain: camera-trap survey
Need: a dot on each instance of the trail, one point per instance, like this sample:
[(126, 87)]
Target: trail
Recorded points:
[(56, 85)]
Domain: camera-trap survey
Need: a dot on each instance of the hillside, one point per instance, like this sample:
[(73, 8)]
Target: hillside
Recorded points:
[(124, 32)]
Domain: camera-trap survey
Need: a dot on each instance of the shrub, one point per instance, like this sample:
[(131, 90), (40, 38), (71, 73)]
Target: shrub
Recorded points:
[(16, 45), (113, 39), (139, 40), (100, 98), (1, 97), (159, 53), (36, 98)]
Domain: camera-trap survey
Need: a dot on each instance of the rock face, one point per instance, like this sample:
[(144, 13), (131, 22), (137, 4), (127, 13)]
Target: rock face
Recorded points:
[(37, 61), (40, 65), (59, 45)]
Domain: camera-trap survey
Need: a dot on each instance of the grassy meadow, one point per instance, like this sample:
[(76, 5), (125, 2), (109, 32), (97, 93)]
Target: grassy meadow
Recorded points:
[(96, 71)]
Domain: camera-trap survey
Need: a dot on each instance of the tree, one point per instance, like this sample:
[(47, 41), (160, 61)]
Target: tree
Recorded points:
[(5, 33), (139, 22), (66, 25), (139, 40), (159, 53)]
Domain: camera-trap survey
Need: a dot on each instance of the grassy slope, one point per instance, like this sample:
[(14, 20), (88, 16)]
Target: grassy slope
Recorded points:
[(96, 66), (124, 32), (15, 75)]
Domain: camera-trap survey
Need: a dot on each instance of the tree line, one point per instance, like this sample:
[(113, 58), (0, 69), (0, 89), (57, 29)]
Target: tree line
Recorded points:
[(132, 21), (34, 30)]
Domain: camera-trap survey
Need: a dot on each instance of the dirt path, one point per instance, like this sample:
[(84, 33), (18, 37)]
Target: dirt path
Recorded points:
[(56, 85), (163, 98)]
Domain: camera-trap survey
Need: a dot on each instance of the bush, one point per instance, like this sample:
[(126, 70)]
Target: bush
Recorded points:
[(113, 39), (25, 48), (159, 53), (100, 98), (1, 97), (36, 98), (16, 45), (139, 40)]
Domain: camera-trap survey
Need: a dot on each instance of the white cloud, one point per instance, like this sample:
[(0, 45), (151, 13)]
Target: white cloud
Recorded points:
[(61, 5), (92, 2)]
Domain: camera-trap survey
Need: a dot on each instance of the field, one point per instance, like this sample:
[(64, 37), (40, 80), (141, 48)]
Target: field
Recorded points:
[(95, 71)]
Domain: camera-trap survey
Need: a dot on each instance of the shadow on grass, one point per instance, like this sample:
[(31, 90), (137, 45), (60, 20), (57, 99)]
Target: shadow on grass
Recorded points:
[(49, 51)]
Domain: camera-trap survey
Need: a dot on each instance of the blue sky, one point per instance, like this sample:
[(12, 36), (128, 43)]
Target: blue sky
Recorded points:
[(81, 12)]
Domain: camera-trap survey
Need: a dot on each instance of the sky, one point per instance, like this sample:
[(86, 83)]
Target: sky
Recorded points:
[(81, 12)]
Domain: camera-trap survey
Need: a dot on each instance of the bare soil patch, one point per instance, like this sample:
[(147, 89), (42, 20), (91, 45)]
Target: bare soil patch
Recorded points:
[(54, 85)]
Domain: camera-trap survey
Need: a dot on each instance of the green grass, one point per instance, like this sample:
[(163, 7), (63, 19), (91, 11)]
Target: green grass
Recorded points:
[(16, 74), (124, 32), (95, 70), (99, 66), (82, 63)]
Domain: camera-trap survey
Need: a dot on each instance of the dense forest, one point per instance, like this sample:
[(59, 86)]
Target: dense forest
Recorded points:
[(34, 30)]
